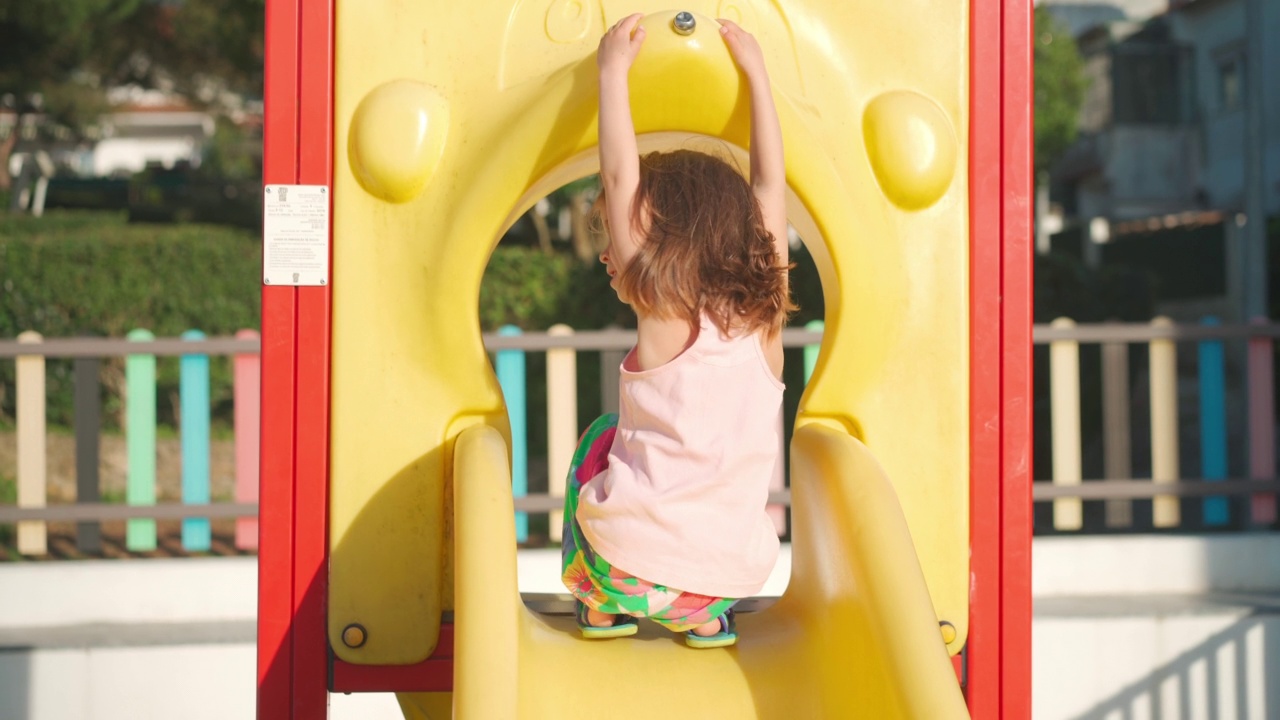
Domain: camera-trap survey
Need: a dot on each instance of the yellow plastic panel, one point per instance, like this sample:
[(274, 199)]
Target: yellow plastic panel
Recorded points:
[(508, 90), (853, 637)]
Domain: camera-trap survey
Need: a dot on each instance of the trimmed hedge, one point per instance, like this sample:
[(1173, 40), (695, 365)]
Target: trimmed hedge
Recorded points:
[(94, 274)]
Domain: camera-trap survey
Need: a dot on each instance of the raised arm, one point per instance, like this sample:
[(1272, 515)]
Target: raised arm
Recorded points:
[(768, 169), (619, 157)]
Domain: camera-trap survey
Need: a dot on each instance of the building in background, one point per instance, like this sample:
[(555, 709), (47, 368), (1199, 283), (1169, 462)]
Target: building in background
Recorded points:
[(149, 128), (1158, 174)]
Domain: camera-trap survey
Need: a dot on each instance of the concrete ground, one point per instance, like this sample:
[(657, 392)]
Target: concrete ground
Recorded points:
[(1130, 627)]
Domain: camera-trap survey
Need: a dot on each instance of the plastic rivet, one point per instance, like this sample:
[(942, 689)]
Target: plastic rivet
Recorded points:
[(354, 635)]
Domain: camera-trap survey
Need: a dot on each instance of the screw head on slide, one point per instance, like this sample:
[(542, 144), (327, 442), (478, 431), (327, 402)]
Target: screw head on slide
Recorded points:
[(684, 23)]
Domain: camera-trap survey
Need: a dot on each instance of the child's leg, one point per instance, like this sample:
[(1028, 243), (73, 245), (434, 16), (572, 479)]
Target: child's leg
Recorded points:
[(582, 570), (589, 459)]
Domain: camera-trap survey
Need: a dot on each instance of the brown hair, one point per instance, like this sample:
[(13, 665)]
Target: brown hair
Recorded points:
[(703, 247)]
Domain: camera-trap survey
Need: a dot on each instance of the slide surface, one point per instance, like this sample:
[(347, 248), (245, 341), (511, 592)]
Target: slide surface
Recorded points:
[(854, 636)]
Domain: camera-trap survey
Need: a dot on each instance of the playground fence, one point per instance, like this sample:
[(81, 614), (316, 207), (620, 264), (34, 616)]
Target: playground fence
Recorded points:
[(1223, 502)]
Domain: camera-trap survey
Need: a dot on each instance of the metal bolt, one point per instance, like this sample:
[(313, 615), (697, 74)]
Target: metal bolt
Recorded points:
[(684, 23), (354, 635)]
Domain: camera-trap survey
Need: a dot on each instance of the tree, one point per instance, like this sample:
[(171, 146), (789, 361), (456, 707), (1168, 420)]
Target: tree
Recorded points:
[(58, 58), (208, 51), (1059, 88), (45, 52)]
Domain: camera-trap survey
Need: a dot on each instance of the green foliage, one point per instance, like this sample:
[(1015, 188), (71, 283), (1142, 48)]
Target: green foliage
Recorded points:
[(86, 273), (49, 52), (1066, 287), (1059, 88), (57, 58), (43, 43), (534, 290), (232, 153), (198, 47), (9, 497)]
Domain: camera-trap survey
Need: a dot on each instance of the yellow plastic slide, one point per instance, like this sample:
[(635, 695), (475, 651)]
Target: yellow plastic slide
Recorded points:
[(451, 119), (854, 635)]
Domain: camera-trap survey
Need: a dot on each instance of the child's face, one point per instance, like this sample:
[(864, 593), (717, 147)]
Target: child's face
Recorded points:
[(610, 267)]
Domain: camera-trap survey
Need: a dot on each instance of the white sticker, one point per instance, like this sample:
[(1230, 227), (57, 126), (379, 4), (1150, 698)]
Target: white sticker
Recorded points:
[(295, 235)]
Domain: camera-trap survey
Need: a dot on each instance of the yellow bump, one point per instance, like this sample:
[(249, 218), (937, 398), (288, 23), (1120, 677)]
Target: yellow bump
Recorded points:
[(397, 136), (353, 635), (569, 20), (912, 148), (948, 632)]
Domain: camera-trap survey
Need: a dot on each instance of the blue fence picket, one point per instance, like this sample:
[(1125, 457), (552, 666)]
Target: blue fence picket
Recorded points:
[(511, 376), (1213, 424), (194, 398)]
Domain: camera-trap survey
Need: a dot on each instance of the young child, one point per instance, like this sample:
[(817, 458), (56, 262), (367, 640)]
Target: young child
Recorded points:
[(665, 515)]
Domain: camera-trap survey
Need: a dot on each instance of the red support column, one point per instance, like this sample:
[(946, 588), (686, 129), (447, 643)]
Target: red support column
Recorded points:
[(279, 307), (983, 688), (311, 485), (1016, 394), (292, 648), (1000, 176)]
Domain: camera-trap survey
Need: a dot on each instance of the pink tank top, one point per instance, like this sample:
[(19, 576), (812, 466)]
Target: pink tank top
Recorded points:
[(683, 501)]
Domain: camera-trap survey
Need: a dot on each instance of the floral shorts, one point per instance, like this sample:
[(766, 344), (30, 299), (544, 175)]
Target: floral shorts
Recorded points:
[(603, 587)]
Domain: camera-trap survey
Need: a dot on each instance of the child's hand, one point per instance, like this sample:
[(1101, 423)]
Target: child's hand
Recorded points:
[(619, 46), (744, 48)]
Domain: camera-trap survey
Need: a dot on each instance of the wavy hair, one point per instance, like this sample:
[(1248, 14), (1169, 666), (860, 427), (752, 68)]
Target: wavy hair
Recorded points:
[(702, 247)]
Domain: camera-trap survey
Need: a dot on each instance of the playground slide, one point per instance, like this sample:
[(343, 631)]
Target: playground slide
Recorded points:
[(854, 636)]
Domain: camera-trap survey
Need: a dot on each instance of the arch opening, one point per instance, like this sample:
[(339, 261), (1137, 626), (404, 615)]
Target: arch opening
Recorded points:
[(520, 238)]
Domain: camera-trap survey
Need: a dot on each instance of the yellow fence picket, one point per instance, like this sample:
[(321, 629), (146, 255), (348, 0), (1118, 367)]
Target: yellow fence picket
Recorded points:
[(1165, 510), (562, 420), (1064, 384), (32, 489)]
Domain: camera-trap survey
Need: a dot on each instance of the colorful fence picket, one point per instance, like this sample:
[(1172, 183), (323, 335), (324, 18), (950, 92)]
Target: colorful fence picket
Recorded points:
[(246, 394), (1212, 344), (32, 539), (510, 368), (140, 440), (194, 394)]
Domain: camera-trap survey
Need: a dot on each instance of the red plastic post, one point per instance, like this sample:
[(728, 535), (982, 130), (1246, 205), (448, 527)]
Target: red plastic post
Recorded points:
[(275, 511)]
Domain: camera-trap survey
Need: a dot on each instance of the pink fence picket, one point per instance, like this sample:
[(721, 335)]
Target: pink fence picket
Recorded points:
[(1262, 445), (247, 397)]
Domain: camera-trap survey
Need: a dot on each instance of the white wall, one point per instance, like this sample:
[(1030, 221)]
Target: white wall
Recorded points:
[(1133, 627)]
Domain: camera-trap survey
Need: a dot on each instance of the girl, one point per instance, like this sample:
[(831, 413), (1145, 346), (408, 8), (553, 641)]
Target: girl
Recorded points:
[(665, 514)]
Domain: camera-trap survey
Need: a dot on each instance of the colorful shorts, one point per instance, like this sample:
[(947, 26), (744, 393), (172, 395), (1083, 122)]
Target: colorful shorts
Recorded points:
[(603, 587)]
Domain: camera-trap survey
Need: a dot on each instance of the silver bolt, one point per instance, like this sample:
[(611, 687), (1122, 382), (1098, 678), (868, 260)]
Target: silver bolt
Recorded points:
[(684, 23)]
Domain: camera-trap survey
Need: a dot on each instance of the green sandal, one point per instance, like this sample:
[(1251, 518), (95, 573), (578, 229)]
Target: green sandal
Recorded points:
[(727, 636), (623, 625)]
